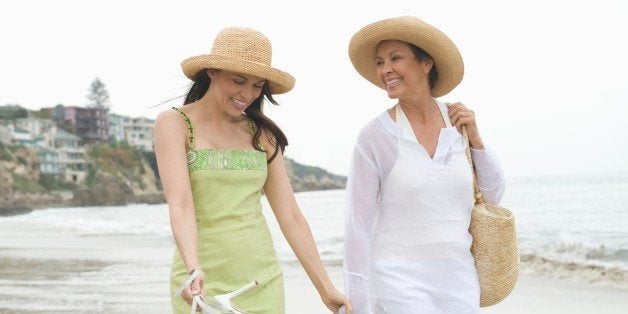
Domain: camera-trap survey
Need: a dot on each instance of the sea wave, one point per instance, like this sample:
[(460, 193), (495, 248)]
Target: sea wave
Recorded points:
[(571, 261), (135, 219)]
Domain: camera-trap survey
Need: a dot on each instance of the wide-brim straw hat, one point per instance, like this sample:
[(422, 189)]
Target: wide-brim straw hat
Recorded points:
[(241, 50), (447, 58)]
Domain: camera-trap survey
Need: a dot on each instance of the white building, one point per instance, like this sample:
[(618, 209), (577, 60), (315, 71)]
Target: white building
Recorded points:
[(117, 123), (34, 126), (71, 156), (138, 132), (5, 135), (141, 133)]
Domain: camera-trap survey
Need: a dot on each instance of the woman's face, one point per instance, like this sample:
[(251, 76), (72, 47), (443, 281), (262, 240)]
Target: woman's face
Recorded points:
[(400, 73), (234, 92)]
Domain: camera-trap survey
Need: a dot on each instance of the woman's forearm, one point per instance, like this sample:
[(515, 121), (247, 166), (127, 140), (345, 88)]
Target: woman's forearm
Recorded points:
[(183, 224), (299, 236)]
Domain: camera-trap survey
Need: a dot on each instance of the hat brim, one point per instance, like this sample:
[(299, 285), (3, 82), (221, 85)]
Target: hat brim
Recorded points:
[(447, 58), (279, 82)]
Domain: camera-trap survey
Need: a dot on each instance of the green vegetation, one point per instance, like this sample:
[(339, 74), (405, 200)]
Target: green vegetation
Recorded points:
[(50, 183), (98, 94), (117, 157), (152, 161), (91, 176), (21, 183), (41, 114), (5, 153), (10, 112)]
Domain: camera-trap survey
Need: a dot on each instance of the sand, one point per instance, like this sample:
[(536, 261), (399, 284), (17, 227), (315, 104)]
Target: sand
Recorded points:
[(42, 271)]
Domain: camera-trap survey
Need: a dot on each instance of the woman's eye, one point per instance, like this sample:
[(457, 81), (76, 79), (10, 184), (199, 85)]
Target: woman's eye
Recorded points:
[(394, 58), (258, 86), (239, 82), (379, 62)]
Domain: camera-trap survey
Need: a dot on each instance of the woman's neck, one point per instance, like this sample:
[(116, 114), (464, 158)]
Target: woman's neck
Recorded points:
[(423, 108)]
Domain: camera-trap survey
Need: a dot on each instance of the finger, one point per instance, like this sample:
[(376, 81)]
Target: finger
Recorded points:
[(187, 296), (457, 105), (457, 110), (195, 287), (465, 121), (468, 121), (453, 107), (456, 117), (348, 308)]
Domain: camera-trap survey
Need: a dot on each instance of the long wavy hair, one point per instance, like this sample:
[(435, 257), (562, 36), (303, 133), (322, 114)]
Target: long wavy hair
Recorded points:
[(254, 111)]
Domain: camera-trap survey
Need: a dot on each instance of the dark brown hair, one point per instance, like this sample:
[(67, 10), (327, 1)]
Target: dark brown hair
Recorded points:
[(254, 111), (420, 54)]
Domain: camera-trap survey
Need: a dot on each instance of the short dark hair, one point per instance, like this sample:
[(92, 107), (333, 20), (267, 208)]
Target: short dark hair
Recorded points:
[(420, 54)]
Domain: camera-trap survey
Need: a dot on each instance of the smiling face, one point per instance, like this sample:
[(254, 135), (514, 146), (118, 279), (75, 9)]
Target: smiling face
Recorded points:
[(400, 72), (234, 92)]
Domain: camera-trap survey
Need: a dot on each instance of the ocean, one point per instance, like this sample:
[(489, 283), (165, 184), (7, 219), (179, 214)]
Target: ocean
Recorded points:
[(569, 227)]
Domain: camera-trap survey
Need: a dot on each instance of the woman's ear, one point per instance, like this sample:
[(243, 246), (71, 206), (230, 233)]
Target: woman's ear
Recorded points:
[(429, 63), (211, 73)]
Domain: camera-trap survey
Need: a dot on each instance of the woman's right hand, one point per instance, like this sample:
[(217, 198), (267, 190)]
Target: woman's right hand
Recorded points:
[(337, 302), (196, 287)]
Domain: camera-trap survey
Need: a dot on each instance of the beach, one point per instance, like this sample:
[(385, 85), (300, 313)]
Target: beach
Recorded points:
[(116, 259), (61, 273)]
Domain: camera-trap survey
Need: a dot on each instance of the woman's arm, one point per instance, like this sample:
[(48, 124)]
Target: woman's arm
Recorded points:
[(488, 169), (297, 231), (170, 150), (363, 185)]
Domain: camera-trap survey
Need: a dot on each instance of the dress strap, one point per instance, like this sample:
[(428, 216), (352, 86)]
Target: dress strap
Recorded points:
[(190, 128)]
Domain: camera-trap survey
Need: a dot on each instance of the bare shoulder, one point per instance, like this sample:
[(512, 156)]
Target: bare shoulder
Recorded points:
[(168, 119), (170, 124)]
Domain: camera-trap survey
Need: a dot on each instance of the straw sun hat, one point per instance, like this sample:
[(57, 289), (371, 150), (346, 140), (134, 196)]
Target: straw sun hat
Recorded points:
[(447, 58), (241, 50)]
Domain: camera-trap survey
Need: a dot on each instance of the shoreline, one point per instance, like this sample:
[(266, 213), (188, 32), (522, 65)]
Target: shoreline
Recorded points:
[(120, 287), (7, 210), (117, 260), (12, 209)]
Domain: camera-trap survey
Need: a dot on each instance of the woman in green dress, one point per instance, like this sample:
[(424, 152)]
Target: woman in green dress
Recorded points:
[(215, 155)]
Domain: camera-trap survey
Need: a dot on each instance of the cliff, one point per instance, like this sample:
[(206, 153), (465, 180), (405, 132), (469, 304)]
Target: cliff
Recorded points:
[(308, 178), (117, 174)]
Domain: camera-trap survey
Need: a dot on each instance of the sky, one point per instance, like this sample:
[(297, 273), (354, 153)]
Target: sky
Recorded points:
[(546, 79)]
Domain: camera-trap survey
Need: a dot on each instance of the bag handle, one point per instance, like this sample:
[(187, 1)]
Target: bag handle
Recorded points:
[(477, 195)]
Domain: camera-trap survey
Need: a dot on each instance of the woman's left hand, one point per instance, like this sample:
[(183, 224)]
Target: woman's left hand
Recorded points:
[(334, 300), (461, 115)]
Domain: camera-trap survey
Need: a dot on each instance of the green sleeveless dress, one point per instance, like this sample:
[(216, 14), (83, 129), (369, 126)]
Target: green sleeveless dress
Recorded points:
[(235, 245)]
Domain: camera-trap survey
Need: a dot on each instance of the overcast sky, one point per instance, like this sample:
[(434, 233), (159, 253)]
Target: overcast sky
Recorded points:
[(547, 79)]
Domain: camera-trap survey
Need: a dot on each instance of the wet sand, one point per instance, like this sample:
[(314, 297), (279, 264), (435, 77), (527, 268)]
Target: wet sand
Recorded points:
[(44, 271)]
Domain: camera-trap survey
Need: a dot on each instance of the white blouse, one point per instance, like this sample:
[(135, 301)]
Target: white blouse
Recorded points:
[(407, 245)]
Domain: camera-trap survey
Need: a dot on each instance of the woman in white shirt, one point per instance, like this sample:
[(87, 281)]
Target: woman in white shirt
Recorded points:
[(410, 186)]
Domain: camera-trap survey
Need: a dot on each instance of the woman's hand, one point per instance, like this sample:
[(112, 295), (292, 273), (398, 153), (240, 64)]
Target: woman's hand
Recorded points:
[(334, 300), (461, 115), (196, 287)]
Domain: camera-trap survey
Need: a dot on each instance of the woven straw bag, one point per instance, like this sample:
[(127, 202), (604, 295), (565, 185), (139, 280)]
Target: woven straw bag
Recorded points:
[(494, 246)]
